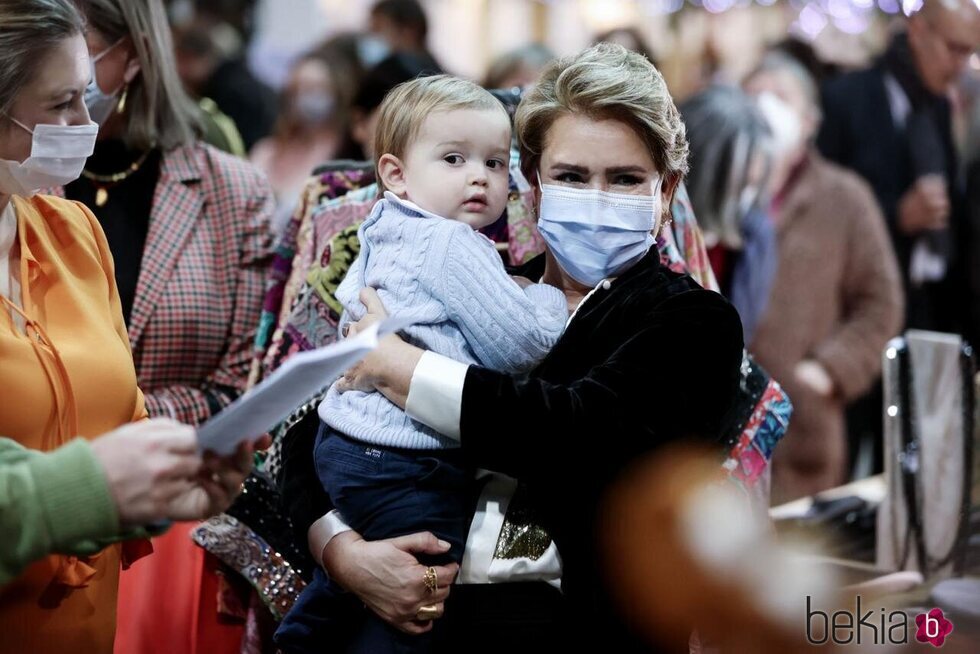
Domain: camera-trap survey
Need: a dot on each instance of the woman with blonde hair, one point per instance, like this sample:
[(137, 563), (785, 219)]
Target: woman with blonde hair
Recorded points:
[(648, 358), (188, 227)]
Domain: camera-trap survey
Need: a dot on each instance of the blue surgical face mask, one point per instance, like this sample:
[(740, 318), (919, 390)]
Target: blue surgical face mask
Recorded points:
[(595, 235), (99, 103), (371, 50), (313, 108)]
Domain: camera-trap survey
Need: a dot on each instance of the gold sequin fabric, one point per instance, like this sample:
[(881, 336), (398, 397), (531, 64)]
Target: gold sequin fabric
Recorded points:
[(521, 537)]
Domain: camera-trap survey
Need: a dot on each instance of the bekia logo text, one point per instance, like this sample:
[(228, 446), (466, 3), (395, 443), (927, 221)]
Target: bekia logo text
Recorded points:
[(874, 626)]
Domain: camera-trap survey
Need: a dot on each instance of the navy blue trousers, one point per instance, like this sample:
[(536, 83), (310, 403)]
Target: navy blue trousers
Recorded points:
[(381, 493)]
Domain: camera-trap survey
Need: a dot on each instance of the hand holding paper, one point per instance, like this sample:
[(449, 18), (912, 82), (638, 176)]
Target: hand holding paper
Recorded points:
[(271, 401)]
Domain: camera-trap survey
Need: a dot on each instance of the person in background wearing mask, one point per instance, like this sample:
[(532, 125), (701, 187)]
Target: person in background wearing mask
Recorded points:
[(402, 26), (837, 297), (188, 229), (69, 494), (731, 159), (310, 132)]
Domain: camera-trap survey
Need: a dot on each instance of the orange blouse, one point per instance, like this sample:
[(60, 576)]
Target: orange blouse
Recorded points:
[(68, 373)]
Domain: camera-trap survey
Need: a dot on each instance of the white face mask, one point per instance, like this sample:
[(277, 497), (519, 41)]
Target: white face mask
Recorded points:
[(595, 235), (787, 130), (58, 155)]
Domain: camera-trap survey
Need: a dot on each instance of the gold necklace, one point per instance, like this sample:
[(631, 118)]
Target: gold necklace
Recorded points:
[(104, 182)]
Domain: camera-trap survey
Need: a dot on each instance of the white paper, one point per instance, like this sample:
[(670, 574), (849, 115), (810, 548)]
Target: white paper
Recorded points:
[(302, 376), (926, 266)]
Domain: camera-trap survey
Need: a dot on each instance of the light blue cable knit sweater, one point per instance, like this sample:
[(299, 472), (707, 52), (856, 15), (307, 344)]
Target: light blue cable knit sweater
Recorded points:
[(450, 282)]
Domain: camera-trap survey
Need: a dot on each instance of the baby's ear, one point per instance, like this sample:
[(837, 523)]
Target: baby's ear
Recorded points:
[(391, 172)]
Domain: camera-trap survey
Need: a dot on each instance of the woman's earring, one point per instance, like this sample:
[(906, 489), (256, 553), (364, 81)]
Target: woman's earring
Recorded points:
[(121, 107)]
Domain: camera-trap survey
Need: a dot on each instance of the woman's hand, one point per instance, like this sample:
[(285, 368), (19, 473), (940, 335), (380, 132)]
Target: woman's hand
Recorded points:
[(387, 577), (389, 367), (364, 375), (147, 466), (154, 472), (815, 377), (375, 371), (214, 487)]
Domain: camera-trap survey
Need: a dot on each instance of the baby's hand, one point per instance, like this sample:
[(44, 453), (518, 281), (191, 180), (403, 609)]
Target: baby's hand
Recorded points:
[(374, 311), (523, 282)]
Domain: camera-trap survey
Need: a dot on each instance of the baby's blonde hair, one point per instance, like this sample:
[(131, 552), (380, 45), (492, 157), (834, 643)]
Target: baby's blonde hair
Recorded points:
[(407, 106)]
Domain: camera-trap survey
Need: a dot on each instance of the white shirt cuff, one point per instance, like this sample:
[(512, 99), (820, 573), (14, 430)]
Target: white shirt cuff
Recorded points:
[(435, 396), (322, 532)]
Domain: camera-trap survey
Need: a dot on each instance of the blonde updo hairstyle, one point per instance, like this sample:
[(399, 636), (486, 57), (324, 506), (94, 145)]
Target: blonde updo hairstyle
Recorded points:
[(607, 81)]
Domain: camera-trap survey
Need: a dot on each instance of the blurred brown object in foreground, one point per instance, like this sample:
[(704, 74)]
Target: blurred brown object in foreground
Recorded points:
[(684, 549)]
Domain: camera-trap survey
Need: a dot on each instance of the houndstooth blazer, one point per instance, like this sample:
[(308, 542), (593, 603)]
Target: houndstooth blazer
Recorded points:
[(199, 293), (200, 287)]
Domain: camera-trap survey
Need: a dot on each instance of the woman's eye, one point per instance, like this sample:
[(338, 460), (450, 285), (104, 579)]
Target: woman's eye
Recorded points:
[(453, 159), (569, 178), (627, 180)]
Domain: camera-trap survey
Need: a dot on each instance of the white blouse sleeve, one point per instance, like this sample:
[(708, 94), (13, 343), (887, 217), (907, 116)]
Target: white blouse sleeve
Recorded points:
[(435, 396)]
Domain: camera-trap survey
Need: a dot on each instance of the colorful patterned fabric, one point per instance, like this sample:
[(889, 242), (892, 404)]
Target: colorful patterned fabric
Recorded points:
[(749, 458), (320, 189), (248, 554), (683, 244), (524, 242), (310, 319)]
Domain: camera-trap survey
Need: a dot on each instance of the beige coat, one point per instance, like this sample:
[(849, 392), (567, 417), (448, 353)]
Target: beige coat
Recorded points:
[(836, 299)]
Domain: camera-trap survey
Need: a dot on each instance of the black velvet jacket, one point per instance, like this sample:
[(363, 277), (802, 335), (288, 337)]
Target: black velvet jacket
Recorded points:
[(652, 359)]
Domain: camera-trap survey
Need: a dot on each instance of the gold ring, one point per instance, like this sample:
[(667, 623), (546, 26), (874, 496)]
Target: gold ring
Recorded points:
[(427, 613), (430, 579)]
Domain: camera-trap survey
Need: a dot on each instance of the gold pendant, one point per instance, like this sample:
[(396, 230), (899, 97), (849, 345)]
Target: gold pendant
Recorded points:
[(101, 196)]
